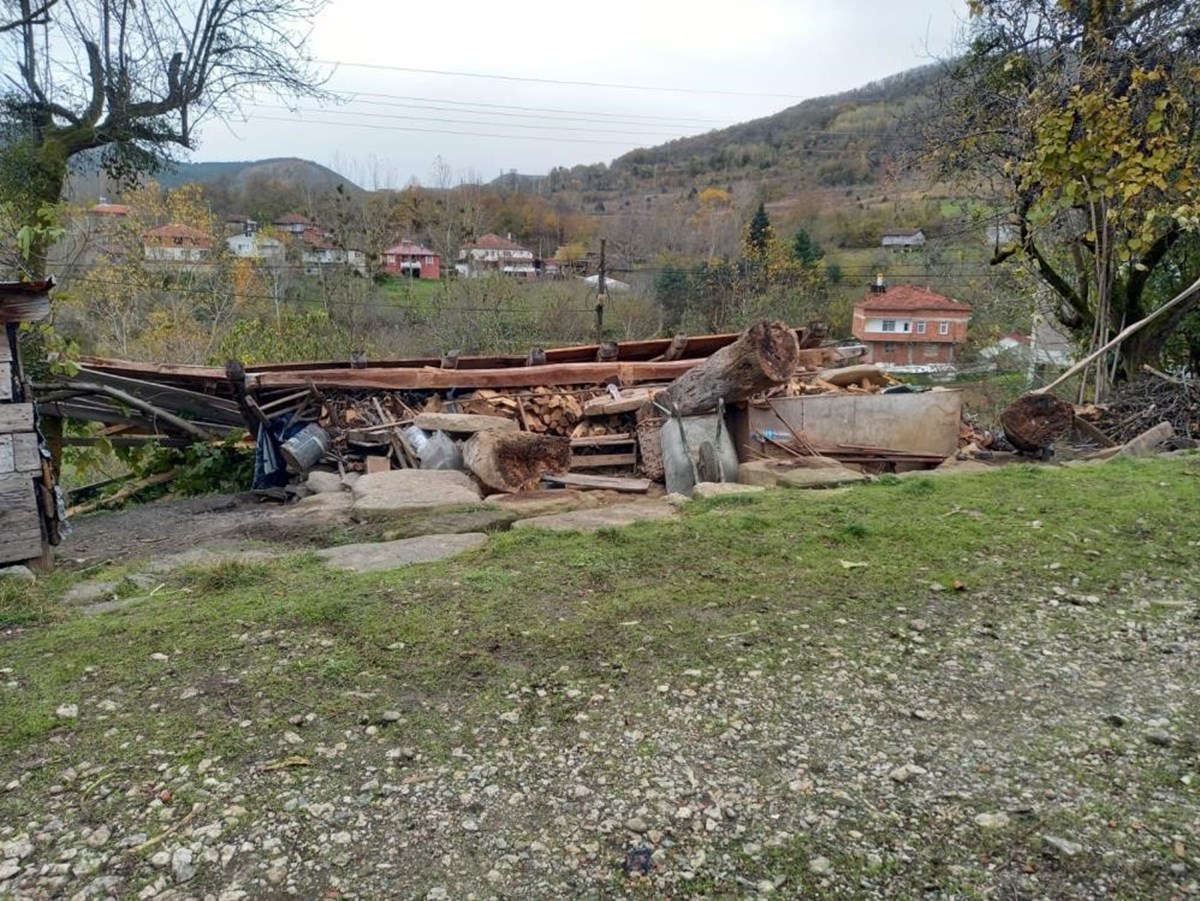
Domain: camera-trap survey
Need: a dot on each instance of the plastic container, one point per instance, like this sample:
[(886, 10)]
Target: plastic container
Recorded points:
[(435, 451), (305, 449)]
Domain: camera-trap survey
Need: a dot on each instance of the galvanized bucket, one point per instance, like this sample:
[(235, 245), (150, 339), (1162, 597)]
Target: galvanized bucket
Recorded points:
[(305, 449)]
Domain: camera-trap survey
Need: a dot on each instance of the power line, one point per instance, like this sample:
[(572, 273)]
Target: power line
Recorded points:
[(555, 81), (649, 134), (353, 95), (440, 131)]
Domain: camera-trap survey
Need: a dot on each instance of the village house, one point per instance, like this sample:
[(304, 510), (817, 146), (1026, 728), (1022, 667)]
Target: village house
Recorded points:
[(491, 253), (319, 251), (240, 224), (293, 223), (256, 247), (175, 243), (412, 261), (899, 239), (906, 325)]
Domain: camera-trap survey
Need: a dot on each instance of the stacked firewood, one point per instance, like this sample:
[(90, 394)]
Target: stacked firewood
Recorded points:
[(863, 379), (542, 410)]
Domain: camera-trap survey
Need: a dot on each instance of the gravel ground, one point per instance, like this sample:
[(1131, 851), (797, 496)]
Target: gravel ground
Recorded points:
[(990, 745)]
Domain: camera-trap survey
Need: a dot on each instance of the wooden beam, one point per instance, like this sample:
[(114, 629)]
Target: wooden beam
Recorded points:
[(16, 418)]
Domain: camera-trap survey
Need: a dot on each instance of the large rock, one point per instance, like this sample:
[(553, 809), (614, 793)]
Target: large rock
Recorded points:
[(814, 473), (320, 481), (525, 504), (705, 490), (462, 423), (604, 517), (328, 508), (383, 495), (382, 555)]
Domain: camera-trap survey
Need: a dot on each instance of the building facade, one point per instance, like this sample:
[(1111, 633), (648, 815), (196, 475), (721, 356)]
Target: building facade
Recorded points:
[(412, 261), (910, 326)]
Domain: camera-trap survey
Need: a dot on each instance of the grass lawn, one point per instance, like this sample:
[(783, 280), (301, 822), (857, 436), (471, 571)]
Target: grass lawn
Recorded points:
[(217, 662)]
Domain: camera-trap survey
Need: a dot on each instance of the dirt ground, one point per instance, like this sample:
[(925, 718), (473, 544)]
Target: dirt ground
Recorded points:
[(165, 526)]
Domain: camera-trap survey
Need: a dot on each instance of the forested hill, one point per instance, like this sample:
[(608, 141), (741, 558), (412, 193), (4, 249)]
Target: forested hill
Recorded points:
[(841, 140), (239, 175)]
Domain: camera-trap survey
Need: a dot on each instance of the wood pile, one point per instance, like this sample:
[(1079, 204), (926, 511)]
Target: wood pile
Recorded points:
[(1151, 398)]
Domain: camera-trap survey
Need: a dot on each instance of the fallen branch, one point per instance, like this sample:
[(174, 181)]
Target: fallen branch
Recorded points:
[(124, 494), (137, 403)]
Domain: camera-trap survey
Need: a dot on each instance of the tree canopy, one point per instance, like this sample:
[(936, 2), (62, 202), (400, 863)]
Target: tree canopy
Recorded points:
[(1079, 117), (128, 81)]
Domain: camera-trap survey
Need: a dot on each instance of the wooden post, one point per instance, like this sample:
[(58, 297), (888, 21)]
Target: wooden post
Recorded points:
[(601, 292)]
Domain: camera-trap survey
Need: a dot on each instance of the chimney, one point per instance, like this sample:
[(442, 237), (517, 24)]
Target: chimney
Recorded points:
[(880, 286)]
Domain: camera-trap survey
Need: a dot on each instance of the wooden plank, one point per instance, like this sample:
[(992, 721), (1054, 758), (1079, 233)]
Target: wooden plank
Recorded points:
[(19, 453), (607, 405), (6, 382), (602, 440), (16, 418), (523, 377), (181, 401), (599, 461), (20, 521), (611, 483), (5, 346)]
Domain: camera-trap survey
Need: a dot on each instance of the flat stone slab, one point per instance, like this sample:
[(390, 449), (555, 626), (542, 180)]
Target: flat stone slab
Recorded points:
[(381, 555), (526, 504), (329, 508), (203, 556), (801, 474), (382, 495), (462, 423), (601, 518), (705, 490), (321, 482)]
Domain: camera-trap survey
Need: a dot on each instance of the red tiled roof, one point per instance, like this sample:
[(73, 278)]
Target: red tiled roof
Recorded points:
[(494, 242), (405, 248), (292, 219), (909, 298), (175, 230), (109, 209)]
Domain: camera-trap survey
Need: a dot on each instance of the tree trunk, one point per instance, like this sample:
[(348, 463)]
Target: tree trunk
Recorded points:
[(765, 355), (509, 461)]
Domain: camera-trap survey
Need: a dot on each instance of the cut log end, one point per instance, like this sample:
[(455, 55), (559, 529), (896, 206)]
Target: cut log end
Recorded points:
[(511, 461), (778, 349), (1035, 421)]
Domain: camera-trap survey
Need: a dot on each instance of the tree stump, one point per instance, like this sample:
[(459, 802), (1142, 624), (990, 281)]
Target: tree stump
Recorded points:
[(510, 461), (1035, 421), (765, 355)]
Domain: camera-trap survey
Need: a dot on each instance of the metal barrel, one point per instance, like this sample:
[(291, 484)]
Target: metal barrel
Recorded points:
[(305, 449)]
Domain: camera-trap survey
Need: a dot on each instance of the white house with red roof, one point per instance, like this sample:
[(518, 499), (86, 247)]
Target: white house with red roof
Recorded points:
[(906, 325), (175, 243), (412, 261), (491, 253)]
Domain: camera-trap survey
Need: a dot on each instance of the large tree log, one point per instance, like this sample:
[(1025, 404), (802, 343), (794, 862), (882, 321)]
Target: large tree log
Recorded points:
[(1034, 421), (766, 354), (510, 461)]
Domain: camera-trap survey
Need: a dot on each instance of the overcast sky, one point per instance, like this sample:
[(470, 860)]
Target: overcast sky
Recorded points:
[(687, 67)]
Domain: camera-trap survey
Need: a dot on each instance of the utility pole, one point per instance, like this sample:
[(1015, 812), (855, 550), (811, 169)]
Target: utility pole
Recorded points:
[(601, 296)]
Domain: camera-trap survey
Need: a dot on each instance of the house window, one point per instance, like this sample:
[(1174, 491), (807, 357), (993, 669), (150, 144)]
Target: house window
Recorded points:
[(889, 347), (930, 351), (889, 325), (905, 326), (943, 328), (921, 327)]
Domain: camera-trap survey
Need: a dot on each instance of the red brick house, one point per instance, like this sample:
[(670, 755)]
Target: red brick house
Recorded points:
[(412, 260), (910, 326)]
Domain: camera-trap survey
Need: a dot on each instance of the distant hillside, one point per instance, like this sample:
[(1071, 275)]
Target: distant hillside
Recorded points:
[(237, 176), (826, 143)]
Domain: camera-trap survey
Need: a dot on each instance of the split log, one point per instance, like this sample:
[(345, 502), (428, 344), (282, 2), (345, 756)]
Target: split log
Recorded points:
[(1035, 421), (461, 423), (510, 461), (765, 355)]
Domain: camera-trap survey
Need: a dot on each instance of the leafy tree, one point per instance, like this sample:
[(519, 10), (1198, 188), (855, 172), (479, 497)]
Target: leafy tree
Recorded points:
[(127, 81), (672, 290), (1081, 117)]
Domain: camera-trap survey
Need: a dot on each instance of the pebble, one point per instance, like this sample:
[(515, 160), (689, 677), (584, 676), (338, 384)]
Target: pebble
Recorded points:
[(1062, 846), (512, 716), (991, 820), (67, 711), (636, 824), (181, 865), (821, 866), (1159, 737), (98, 837)]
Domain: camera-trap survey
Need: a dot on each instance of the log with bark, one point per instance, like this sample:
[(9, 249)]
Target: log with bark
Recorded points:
[(1035, 421), (511, 461), (765, 355)]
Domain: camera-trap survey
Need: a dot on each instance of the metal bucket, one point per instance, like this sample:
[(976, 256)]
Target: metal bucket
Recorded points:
[(305, 449)]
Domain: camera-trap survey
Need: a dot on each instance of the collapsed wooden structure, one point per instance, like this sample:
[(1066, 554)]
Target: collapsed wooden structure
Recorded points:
[(30, 505)]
